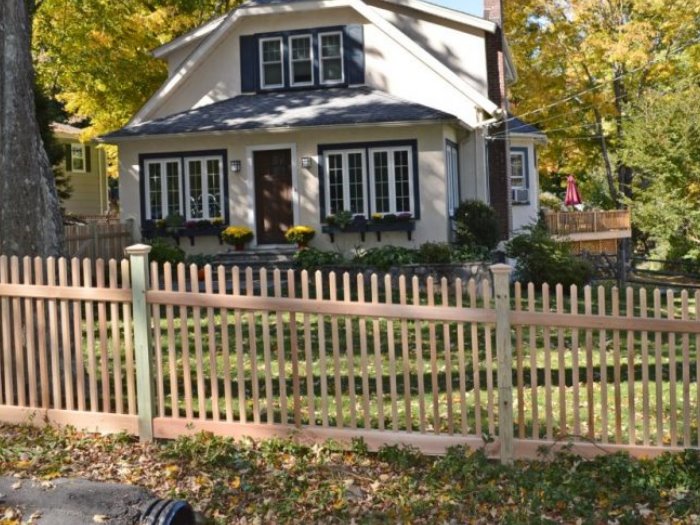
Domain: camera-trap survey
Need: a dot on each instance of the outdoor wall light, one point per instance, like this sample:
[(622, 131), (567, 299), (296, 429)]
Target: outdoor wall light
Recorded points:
[(306, 162), (236, 166)]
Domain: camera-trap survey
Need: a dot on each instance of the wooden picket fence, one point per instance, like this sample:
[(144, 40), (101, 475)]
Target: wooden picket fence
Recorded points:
[(98, 240), (163, 352)]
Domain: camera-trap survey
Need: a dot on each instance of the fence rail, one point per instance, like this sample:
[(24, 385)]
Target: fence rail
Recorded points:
[(161, 352)]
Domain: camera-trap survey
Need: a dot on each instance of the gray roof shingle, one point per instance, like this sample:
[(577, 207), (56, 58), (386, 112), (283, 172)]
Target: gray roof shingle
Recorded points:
[(515, 125), (292, 109)]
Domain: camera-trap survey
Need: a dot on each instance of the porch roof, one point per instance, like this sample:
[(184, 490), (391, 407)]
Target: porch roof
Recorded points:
[(292, 109)]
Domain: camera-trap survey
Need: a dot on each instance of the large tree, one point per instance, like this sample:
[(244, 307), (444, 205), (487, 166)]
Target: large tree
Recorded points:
[(94, 55), (581, 63), (30, 218)]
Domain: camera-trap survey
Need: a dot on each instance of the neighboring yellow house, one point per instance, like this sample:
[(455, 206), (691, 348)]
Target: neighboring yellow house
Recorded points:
[(86, 166)]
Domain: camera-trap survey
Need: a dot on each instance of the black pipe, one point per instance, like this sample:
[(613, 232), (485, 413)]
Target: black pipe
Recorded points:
[(167, 512)]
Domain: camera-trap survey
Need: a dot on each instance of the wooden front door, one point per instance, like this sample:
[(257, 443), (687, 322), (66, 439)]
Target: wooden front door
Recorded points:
[(273, 195)]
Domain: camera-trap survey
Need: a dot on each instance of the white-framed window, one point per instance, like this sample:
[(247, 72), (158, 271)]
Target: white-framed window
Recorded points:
[(346, 189), (331, 57), (77, 158), (518, 170), (204, 187), (271, 63), (391, 180), (301, 60), (162, 185), (452, 168)]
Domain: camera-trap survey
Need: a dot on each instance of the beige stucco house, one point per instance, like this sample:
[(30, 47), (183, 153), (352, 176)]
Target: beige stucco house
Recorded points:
[(288, 112), (86, 166)]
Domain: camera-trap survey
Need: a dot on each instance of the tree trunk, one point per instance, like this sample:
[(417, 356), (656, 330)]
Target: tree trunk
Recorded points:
[(30, 218)]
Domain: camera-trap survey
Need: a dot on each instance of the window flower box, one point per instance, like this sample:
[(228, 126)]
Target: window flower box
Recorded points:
[(152, 230), (376, 227)]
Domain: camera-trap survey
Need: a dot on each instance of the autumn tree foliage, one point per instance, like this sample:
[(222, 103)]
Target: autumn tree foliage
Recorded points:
[(94, 55), (583, 64)]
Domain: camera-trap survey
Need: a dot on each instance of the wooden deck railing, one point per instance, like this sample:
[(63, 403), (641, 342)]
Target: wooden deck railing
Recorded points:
[(586, 222)]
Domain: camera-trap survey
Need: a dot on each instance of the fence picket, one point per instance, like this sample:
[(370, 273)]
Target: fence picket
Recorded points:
[(42, 333), (364, 358), (308, 353), (78, 337), (391, 343), (240, 363), (335, 343), (281, 362), (102, 328), (673, 402), (617, 390), (185, 343), (559, 291), (29, 333), (211, 340), (321, 326), (350, 352), (293, 338), (6, 334), (172, 358), (129, 357), (225, 348), (448, 358), (532, 332), (157, 344), (602, 340), (405, 360), (645, 369), (685, 344), (117, 343), (198, 350), (65, 341), (267, 354), (697, 368), (435, 388), (658, 371), (520, 378), (588, 310), (379, 387), (632, 407), (90, 338), (476, 362), (548, 409), (53, 331)]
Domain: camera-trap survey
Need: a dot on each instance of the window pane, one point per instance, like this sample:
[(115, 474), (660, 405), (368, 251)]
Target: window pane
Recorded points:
[(332, 69), (272, 74), (330, 46), (335, 183), (214, 198), (301, 48), (517, 169), (173, 187), (356, 183), (77, 158), (155, 197), (301, 72), (452, 178), (381, 182), (401, 181), (194, 169), (272, 51)]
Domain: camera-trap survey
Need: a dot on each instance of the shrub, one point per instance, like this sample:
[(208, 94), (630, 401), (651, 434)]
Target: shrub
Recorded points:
[(163, 251), (476, 225), (299, 234), (312, 259), (435, 253), (542, 259), (550, 201), (199, 259), (385, 257)]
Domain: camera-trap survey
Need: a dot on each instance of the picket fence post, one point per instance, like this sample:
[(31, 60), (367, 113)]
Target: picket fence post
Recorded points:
[(504, 351), (145, 400)]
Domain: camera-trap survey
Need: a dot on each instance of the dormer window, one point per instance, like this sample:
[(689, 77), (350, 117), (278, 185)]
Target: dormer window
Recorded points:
[(271, 66), (301, 60), (331, 57)]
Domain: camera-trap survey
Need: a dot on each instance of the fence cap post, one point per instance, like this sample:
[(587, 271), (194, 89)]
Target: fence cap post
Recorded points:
[(138, 249), (501, 269)]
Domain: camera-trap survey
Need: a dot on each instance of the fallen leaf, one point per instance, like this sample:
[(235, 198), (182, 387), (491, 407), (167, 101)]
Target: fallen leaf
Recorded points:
[(100, 518), (17, 485)]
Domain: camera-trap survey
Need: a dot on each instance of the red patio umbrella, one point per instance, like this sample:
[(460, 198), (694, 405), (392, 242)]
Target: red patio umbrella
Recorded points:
[(572, 195)]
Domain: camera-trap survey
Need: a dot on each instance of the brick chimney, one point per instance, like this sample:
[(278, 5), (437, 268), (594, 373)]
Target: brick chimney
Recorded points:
[(498, 150)]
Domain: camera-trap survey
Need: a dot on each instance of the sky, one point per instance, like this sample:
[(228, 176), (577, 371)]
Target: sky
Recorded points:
[(474, 7)]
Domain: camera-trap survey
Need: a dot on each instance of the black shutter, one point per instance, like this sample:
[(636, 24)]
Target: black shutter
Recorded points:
[(69, 165), (249, 63), (355, 54), (88, 160)]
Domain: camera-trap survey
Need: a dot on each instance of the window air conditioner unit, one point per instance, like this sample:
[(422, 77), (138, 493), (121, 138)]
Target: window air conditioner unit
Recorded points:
[(521, 195)]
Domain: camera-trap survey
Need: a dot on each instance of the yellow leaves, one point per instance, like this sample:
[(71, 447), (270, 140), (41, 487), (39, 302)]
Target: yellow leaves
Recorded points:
[(171, 471), (235, 483)]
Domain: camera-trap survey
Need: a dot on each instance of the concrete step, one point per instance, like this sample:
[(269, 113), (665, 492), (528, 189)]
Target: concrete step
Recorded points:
[(279, 258)]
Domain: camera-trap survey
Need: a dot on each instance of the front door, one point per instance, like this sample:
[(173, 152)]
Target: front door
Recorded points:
[(273, 195)]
